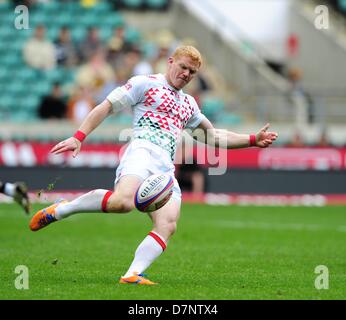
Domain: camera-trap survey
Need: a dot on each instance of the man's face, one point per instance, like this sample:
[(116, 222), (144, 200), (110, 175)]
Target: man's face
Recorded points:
[(181, 71)]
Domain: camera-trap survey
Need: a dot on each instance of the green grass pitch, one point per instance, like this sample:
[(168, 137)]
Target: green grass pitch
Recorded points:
[(218, 252)]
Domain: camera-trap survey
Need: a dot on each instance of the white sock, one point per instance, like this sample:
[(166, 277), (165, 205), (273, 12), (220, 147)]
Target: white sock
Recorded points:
[(149, 249), (93, 201), (9, 189)]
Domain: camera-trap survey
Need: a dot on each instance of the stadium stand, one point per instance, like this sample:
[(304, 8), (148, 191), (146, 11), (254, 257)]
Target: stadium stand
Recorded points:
[(243, 89), (76, 18), (31, 83)]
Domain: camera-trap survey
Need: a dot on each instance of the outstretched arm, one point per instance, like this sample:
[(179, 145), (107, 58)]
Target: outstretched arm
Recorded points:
[(92, 121), (231, 140)]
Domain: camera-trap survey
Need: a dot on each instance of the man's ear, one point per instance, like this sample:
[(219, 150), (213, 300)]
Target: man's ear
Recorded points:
[(170, 60)]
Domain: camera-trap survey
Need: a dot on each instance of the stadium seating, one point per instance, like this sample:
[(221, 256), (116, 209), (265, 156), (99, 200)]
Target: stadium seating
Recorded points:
[(214, 109), (33, 84), (23, 87), (156, 4), (133, 4)]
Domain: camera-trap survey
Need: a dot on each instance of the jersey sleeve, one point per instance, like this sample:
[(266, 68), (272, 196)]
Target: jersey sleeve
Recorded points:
[(129, 94), (197, 116)]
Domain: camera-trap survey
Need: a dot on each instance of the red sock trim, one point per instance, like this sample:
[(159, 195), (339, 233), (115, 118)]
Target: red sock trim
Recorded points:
[(159, 240), (105, 199)]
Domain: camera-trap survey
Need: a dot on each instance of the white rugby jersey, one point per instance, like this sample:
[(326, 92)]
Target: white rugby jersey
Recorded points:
[(160, 112)]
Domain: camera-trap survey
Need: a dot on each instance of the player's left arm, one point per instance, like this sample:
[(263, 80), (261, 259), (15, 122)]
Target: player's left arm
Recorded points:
[(231, 140)]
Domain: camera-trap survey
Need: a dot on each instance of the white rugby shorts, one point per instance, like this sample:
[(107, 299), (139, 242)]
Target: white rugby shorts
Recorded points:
[(143, 159)]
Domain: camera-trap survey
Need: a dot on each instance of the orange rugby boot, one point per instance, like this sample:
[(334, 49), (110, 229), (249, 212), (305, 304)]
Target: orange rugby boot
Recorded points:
[(137, 278), (44, 217)]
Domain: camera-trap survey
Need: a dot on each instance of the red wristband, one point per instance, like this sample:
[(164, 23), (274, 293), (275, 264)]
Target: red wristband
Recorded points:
[(79, 135), (252, 140)]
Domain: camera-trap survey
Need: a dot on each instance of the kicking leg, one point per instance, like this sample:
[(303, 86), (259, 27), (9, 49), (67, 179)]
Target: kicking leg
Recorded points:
[(100, 200)]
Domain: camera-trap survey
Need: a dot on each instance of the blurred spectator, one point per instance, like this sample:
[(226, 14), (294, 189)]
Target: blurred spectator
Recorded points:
[(95, 74), (323, 140), (131, 64), (118, 42), (65, 49), (117, 47), (38, 52), (297, 141), (165, 42), (188, 172), (160, 61), (137, 64), (91, 44), (79, 105), (190, 177), (305, 111), (53, 105)]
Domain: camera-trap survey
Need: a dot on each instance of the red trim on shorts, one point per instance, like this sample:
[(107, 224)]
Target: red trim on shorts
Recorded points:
[(105, 199), (159, 240)]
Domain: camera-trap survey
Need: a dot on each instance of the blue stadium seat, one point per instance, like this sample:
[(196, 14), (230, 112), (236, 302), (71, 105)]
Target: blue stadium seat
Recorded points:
[(102, 7), (60, 20), (38, 17), (156, 4), (89, 19), (52, 32), (6, 31), (133, 4), (30, 103), (228, 118), (55, 75), (78, 33), (4, 74), (50, 7), (6, 18), (16, 44), (10, 59), (40, 88), (5, 5), (22, 116), (6, 101), (213, 108), (112, 20), (105, 33), (17, 88), (26, 74), (132, 35)]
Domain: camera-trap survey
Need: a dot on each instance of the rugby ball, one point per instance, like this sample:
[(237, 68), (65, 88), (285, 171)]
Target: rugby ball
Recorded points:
[(154, 192)]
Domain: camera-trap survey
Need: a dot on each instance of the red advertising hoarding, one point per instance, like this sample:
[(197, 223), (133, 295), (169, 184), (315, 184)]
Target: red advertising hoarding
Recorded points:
[(29, 154)]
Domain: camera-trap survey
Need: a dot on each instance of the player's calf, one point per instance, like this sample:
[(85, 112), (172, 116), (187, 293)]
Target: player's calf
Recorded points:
[(120, 203)]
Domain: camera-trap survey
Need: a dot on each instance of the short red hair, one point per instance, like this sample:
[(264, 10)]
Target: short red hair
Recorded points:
[(188, 51)]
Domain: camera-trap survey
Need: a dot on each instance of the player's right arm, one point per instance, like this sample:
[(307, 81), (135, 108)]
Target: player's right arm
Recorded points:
[(120, 98), (92, 121)]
